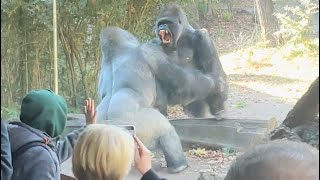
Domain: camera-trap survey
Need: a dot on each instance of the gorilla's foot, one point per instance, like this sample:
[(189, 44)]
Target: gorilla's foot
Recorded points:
[(173, 153), (178, 169)]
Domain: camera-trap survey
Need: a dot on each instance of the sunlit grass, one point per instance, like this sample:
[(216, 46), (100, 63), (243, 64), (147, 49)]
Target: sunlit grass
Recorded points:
[(272, 61), (290, 69)]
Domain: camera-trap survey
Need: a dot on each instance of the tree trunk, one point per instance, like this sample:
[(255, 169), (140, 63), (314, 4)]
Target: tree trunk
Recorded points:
[(69, 58), (268, 22), (302, 122), (306, 109)]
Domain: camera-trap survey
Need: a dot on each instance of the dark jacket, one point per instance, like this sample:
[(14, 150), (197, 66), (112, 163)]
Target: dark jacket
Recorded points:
[(6, 166), (151, 175), (38, 162)]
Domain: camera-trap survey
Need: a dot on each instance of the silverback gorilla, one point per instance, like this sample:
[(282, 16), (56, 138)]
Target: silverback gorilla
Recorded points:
[(129, 90), (194, 49)]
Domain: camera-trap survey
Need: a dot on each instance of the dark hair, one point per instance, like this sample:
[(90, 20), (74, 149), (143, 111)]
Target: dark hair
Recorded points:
[(277, 160)]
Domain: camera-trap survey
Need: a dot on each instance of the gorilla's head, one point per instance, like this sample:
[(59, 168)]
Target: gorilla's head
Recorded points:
[(170, 24), (114, 40), (114, 37)]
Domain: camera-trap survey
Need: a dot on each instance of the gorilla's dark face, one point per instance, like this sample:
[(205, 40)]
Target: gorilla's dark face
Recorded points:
[(170, 25), (169, 31)]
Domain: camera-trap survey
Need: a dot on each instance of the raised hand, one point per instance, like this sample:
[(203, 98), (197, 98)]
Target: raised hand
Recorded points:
[(90, 111)]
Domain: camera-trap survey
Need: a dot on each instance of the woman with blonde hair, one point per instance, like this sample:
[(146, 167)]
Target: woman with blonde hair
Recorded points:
[(106, 152)]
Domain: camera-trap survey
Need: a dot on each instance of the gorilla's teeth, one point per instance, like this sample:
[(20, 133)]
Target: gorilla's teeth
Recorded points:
[(167, 32)]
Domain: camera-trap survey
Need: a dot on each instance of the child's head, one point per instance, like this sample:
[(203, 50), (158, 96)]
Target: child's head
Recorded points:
[(278, 160), (103, 152), (44, 110)]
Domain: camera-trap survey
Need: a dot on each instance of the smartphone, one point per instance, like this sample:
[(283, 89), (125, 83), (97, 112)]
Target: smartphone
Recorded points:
[(130, 128)]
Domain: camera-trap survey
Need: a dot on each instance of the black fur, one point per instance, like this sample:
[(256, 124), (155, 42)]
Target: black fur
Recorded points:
[(192, 49)]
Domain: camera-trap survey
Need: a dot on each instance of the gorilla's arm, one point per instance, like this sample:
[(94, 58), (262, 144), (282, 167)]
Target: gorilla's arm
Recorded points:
[(207, 60), (206, 53), (183, 79), (183, 85)]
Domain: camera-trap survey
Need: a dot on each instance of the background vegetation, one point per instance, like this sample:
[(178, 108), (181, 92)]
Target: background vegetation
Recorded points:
[(26, 41)]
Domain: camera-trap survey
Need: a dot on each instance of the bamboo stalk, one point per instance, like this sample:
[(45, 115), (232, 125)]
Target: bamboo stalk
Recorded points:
[(55, 48)]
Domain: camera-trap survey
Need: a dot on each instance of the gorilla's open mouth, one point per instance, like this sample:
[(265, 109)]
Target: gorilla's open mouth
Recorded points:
[(165, 36)]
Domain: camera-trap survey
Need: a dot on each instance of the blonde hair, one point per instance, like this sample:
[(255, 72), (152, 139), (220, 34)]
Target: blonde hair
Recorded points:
[(103, 152)]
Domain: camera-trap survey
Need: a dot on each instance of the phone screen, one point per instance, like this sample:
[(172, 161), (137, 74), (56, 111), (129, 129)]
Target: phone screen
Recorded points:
[(130, 128)]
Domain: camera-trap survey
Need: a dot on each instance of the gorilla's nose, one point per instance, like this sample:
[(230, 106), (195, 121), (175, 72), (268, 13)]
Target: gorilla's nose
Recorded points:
[(162, 26)]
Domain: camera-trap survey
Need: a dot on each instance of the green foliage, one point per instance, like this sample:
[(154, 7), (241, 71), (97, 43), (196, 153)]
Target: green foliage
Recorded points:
[(243, 40), (227, 16), (75, 110), (239, 104), (203, 7), (296, 27), (227, 151), (220, 32), (26, 44), (9, 113)]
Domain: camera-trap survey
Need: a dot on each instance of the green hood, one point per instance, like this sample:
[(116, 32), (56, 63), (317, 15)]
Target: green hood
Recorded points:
[(44, 110)]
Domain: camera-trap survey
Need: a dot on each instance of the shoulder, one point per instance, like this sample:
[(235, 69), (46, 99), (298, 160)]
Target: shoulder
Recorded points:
[(45, 156), (149, 48), (40, 154), (202, 33), (34, 158)]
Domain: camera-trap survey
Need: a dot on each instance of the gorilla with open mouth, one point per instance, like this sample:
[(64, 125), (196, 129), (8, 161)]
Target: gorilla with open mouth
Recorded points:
[(191, 49)]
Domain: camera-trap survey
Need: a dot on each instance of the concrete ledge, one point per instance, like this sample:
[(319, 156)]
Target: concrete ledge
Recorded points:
[(238, 134), (234, 133)]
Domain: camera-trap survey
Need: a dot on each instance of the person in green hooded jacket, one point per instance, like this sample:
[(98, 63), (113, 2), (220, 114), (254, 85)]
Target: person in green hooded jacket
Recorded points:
[(36, 145)]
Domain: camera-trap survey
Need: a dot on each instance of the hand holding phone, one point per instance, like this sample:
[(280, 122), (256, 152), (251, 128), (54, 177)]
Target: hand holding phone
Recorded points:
[(130, 128), (142, 157)]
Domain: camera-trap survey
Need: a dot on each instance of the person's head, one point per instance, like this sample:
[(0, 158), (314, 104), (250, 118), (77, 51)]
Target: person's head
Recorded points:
[(44, 110), (278, 160), (103, 152)]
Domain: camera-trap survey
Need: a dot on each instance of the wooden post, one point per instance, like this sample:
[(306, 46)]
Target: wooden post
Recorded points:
[(55, 48)]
